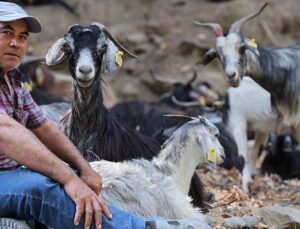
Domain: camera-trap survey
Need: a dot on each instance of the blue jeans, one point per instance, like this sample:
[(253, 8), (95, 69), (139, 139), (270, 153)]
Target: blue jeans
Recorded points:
[(26, 194)]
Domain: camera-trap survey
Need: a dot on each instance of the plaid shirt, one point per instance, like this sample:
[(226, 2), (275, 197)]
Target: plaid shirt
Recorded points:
[(25, 111)]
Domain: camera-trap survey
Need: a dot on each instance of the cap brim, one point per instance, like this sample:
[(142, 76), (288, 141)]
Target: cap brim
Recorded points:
[(33, 23)]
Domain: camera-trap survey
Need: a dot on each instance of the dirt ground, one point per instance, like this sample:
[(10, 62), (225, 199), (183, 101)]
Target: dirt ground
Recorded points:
[(166, 41)]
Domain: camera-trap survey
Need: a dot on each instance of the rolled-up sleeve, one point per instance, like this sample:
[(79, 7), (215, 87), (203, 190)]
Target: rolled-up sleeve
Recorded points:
[(36, 117)]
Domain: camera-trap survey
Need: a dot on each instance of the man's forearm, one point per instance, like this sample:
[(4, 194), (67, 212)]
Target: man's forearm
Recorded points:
[(59, 144), (21, 145)]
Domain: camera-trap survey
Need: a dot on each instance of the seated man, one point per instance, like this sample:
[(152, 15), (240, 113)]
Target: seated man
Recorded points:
[(47, 190)]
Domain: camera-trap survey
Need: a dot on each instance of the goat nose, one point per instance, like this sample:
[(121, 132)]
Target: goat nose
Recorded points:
[(232, 75), (84, 69)]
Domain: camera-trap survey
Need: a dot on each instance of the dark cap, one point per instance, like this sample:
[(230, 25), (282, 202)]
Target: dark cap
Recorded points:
[(13, 12)]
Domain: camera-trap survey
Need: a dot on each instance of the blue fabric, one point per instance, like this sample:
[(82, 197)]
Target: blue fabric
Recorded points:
[(28, 195)]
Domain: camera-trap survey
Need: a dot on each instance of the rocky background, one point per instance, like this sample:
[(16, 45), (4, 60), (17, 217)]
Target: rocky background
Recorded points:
[(162, 34)]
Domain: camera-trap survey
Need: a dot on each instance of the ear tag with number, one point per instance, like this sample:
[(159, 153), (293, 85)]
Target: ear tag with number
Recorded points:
[(252, 43), (212, 155), (119, 58)]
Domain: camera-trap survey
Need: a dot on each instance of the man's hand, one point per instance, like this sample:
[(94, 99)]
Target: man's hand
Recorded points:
[(87, 201), (92, 179)]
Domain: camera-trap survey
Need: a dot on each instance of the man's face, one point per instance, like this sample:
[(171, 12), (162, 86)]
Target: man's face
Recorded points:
[(13, 43)]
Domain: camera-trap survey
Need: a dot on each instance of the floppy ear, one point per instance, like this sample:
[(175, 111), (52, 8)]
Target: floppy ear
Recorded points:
[(55, 54), (209, 56), (112, 58)]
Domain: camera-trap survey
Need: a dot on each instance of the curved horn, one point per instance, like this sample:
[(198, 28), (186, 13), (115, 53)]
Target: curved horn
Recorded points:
[(184, 104), (167, 82), (215, 26), (55, 54), (180, 116), (194, 77), (104, 29), (236, 26)]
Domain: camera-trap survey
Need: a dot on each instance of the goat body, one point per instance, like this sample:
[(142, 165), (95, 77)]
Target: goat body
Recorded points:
[(159, 187), (278, 71), (274, 69), (248, 108), (89, 125)]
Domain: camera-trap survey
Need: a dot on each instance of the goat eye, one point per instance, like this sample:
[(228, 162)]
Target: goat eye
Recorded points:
[(217, 135), (66, 48), (102, 49)]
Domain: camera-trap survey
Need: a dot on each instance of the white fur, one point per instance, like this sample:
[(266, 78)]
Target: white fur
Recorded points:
[(154, 188), (250, 109), (85, 62)]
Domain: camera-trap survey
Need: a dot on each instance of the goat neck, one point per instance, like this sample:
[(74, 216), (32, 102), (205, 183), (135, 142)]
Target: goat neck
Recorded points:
[(184, 150)]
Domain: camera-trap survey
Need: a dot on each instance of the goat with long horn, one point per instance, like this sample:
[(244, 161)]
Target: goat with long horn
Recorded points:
[(230, 49), (277, 70)]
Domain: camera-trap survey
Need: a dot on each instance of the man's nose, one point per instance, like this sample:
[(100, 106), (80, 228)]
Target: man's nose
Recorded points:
[(14, 43)]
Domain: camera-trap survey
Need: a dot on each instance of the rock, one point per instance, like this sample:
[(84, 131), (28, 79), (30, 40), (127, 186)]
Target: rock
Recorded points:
[(238, 222), (157, 28), (280, 217), (137, 38), (186, 47), (129, 91)]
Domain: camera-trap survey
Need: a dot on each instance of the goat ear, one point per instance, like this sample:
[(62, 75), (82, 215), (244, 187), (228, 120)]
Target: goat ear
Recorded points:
[(112, 58), (209, 56), (56, 54)]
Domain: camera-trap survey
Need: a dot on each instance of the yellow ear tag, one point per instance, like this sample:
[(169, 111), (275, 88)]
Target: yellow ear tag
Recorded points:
[(252, 43), (119, 58), (28, 86), (202, 101), (212, 155)]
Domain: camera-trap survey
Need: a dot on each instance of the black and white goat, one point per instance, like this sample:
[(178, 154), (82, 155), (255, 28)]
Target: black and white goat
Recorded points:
[(275, 69), (160, 187), (90, 126)]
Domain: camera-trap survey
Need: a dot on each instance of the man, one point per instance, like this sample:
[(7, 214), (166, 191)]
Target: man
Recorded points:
[(44, 188)]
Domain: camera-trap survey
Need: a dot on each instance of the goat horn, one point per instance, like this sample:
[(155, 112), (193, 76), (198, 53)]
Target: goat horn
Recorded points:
[(194, 77), (104, 29), (184, 104), (215, 26), (180, 116), (236, 26), (158, 79), (71, 26)]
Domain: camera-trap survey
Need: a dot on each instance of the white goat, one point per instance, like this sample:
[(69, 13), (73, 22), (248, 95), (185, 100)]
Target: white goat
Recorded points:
[(160, 187), (249, 108)]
